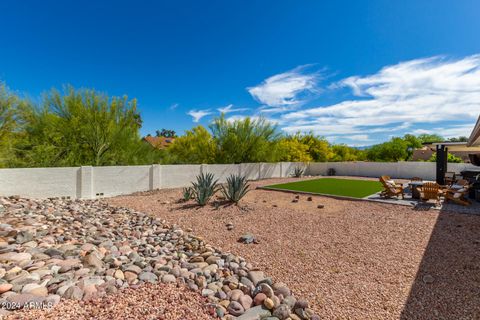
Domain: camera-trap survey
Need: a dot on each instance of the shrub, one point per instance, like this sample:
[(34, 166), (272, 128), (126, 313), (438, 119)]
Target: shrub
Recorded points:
[(204, 188), (450, 158), (187, 194), (236, 188), (297, 172)]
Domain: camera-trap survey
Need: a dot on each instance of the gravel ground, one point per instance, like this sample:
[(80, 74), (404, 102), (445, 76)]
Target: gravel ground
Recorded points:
[(84, 250), (159, 301), (351, 259)]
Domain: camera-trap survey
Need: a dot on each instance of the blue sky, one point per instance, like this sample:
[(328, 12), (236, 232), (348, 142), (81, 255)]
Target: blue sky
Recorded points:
[(356, 72)]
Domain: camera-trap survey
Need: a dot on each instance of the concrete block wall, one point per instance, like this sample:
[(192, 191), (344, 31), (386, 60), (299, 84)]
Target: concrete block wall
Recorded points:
[(403, 170), (111, 181), (270, 170), (221, 171), (175, 176), (91, 182), (42, 182), (288, 168), (250, 170)]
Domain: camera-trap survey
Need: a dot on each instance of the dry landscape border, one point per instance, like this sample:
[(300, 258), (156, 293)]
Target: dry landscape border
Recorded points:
[(352, 259)]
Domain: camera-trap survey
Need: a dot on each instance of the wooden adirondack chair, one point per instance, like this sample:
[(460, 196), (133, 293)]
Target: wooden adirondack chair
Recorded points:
[(458, 196), (390, 188), (430, 191), (462, 182)]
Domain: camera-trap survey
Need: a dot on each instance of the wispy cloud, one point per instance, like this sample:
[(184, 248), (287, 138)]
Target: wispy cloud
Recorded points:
[(198, 114), (359, 137), (286, 90), (230, 108), (449, 132), (412, 93), (173, 106), (272, 121)]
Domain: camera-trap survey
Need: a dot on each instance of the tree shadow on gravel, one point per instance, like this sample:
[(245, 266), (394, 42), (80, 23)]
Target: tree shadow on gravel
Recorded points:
[(447, 284)]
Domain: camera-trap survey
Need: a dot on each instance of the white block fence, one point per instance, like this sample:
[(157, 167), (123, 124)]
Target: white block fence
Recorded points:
[(93, 182)]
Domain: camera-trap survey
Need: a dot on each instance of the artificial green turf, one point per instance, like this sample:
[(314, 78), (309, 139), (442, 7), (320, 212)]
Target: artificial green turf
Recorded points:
[(337, 187)]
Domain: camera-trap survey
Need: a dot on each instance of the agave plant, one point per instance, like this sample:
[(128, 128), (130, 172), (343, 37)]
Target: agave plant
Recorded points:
[(204, 188), (236, 188), (297, 172), (187, 194)]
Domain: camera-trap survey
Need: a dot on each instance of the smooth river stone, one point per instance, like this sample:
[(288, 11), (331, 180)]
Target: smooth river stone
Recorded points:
[(15, 256)]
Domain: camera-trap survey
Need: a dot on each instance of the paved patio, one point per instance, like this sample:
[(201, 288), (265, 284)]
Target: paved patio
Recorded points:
[(474, 208)]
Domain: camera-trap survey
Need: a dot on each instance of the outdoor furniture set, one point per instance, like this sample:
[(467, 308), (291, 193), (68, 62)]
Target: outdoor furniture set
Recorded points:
[(454, 190)]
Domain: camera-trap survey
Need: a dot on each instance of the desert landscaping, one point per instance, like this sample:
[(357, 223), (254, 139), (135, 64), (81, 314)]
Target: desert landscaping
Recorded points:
[(240, 160), (152, 256), (85, 250), (349, 259)]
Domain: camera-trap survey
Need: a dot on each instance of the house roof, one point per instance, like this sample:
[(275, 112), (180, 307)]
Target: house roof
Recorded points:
[(159, 142), (457, 146), (458, 149), (475, 136)]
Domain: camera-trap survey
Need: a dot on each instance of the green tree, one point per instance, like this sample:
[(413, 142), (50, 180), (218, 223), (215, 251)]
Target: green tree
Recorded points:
[(458, 139), (450, 158), (430, 138), (8, 123), (7, 112), (246, 140), (342, 152), (82, 127), (166, 133), (292, 149), (196, 146), (393, 150), (413, 143), (318, 147)]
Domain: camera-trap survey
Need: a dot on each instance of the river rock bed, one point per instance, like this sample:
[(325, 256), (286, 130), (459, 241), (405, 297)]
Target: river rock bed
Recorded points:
[(83, 250)]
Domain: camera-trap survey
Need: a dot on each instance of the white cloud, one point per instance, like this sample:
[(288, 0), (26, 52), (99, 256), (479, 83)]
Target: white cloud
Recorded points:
[(286, 89), (253, 118), (422, 91), (422, 131), (237, 117), (359, 137), (450, 132), (174, 106), (230, 108), (198, 114)]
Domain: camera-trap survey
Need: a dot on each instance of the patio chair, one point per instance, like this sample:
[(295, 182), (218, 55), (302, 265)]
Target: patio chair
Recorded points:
[(391, 181), (458, 196), (430, 191), (459, 184), (449, 178), (462, 182), (390, 188)]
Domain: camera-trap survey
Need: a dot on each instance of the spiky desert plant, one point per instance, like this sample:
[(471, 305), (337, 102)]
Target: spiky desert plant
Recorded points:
[(297, 172), (204, 188), (187, 193), (236, 188)]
